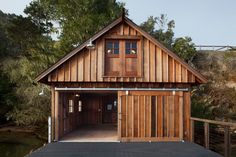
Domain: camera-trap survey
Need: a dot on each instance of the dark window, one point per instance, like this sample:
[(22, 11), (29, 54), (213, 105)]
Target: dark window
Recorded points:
[(112, 47), (131, 47)]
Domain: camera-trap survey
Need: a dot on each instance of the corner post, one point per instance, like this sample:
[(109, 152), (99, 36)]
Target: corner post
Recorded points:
[(119, 115), (52, 113), (56, 115)]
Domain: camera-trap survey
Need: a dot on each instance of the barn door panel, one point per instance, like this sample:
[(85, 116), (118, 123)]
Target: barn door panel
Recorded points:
[(151, 117)]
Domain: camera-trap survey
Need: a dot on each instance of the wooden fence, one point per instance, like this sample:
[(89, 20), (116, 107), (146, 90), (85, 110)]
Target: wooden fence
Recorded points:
[(214, 135)]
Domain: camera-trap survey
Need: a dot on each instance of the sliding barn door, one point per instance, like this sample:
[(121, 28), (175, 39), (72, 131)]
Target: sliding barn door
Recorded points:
[(150, 116)]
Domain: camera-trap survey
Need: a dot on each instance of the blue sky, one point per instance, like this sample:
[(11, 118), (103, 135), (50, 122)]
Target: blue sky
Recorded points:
[(208, 22)]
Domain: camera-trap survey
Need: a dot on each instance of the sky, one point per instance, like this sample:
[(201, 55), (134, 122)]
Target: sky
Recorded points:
[(207, 22)]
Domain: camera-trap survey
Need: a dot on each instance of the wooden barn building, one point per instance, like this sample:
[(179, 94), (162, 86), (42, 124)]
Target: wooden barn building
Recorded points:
[(124, 77)]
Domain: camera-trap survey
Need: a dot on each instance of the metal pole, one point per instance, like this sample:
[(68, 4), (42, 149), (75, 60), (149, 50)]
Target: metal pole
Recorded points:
[(49, 129)]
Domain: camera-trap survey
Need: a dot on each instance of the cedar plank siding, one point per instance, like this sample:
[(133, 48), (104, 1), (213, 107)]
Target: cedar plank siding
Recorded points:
[(155, 65), (154, 115)]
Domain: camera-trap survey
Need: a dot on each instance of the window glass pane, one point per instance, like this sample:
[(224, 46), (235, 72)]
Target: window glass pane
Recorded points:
[(116, 45), (116, 51), (127, 45), (134, 45), (109, 45), (112, 47), (127, 51)]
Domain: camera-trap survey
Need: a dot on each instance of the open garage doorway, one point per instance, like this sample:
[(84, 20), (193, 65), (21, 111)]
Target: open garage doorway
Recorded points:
[(90, 117)]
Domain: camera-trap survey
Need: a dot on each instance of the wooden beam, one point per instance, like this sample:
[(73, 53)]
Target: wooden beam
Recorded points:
[(132, 120), (119, 115), (181, 125), (126, 116), (53, 113), (144, 117), (139, 116), (56, 115), (192, 131), (127, 37), (214, 122)]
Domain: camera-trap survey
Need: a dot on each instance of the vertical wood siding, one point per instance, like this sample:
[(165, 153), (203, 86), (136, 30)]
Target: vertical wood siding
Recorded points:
[(154, 64), (154, 116)]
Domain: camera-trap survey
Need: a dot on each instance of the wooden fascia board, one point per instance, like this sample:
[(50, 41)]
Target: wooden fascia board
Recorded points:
[(172, 54), (76, 50)]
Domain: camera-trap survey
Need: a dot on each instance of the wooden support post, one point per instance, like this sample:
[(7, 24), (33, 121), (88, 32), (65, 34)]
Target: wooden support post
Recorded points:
[(192, 131), (206, 134), (132, 120), (181, 123), (227, 141), (53, 113), (119, 115), (56, 116)]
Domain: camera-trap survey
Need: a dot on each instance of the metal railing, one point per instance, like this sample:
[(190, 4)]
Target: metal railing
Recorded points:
[(214, 47), (217, 136)]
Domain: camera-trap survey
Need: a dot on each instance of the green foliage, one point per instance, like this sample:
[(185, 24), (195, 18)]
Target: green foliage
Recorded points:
[(200, 108), (28, 49), (164, 33), (182, 46), (40, 16), (7, 48), (19, 93), (78, 19), (219, 93), (7, 96), (212, 102)]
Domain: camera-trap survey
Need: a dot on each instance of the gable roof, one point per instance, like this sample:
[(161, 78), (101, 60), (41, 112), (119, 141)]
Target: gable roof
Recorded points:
[(105, 30)]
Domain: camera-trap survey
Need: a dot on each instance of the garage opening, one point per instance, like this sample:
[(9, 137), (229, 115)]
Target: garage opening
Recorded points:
[(90, 117)]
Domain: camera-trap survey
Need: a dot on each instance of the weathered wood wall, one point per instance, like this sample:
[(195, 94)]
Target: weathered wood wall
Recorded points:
[(154, 64), (144, 115), (153, 116)]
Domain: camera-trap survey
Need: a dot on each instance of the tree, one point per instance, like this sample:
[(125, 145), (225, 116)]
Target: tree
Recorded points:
[(7, 96), (78, 19), (22, 60), (164, 33), (184, 48)]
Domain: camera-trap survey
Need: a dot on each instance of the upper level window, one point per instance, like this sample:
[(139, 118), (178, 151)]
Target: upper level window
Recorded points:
[(131, 47), (122, 57), (112, 47)]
